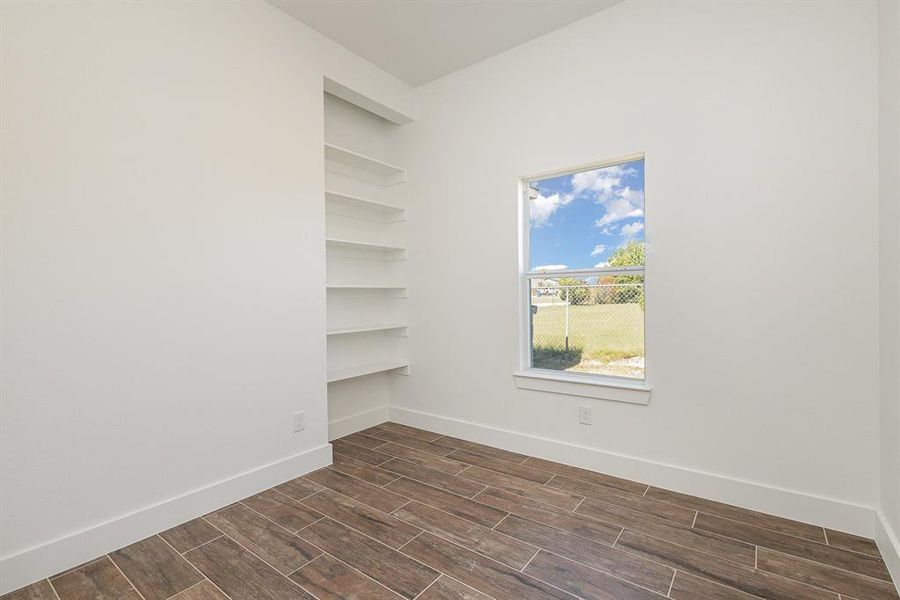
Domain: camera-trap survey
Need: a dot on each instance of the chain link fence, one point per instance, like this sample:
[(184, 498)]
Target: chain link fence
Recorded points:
[(592, 325)]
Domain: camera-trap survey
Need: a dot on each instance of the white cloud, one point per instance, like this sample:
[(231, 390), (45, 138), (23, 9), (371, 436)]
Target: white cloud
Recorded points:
[(605, 181), (636, 197), (543, 207), (600, 265), (632, 228), (626, 204), (551, 268), (598, 249), (619, 200), (600, 181)]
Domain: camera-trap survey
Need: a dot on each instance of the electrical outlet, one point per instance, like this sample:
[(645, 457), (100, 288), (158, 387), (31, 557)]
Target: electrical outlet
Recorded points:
[(299, 420), (584, 415)]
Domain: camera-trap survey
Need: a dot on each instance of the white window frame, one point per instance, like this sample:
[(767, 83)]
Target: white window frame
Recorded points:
[(605, 387)]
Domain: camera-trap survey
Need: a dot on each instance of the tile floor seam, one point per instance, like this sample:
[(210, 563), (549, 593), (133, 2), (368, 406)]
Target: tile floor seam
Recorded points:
[(75, 568), (408, 502), (796, 537), (53, 588), (267, 518), (349, 566), (277, 571), (537, 551), (580, 502), (508, 474), (739, 565), (354, 477), (390, 482), (731, 587), (352, 499), (409, 447), (655, 537), (584, 564), (440, 537), (497, 524), (429, 585), (616, 541), (195, 547), (283, 494), (131, 583), (697, 510), (590, 568), (188, 561), (189, 587), (815, 562), (435, 486), (310, 525), (481, 554), (592, 519)]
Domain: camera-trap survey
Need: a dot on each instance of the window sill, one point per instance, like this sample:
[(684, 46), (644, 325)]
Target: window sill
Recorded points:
[(588, 386)]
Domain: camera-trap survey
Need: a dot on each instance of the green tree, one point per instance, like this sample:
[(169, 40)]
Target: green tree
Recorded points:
[(574, 290), (629, 255), (631, 286)]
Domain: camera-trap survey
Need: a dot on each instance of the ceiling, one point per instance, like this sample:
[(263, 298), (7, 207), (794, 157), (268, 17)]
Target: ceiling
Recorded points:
[(421, 40)]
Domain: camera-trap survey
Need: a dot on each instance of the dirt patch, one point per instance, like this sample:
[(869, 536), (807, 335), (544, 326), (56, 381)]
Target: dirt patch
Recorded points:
[(625, 367)]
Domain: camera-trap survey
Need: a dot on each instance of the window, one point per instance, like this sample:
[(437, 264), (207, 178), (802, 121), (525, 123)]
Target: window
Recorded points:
[(583, 273)]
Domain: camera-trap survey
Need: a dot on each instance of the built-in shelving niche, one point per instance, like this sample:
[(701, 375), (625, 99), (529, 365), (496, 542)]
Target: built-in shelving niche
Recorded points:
[(365, 246)]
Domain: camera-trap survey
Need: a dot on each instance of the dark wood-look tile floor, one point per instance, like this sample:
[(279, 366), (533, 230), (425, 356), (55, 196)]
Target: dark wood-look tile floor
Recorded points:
[(407, 513)]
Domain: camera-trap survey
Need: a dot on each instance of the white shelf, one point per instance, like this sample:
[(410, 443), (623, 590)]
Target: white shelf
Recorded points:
[(366, 328), (365, 369), (382, 211), (384, 173), (364, 286), (359, 245)]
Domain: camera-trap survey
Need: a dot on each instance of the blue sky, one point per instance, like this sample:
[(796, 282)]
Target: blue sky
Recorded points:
[(578, 220)]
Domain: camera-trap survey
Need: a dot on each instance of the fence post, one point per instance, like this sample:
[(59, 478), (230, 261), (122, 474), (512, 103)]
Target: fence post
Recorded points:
[(567, 318)]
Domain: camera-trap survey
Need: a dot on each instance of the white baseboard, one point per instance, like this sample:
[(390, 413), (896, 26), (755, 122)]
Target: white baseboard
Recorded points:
[(791, 504), (889, 545), (30, 565), (358, 422)]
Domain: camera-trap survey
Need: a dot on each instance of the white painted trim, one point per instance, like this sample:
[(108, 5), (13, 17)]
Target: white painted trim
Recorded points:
[(29, 565), (889, 546), (791, 504), (360, 166), (381, 109), (559, 273), (399, 366), (587, 386), (335, 331), (591, 166), (358, 422), (526, 275)]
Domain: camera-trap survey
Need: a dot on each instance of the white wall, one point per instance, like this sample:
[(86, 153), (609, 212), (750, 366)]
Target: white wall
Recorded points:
[(163, 265), (889, 273), (759, 123)]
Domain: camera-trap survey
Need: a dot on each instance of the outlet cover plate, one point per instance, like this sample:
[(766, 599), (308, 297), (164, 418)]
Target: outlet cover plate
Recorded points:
[(299, 420), (584, 415)]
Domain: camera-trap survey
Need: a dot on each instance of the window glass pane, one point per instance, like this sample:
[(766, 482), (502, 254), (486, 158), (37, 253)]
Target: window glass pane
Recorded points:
[(583, 220), (588, 325)]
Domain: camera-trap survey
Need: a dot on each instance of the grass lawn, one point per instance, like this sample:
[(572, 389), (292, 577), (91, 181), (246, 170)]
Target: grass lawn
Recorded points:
[(602, 332)]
